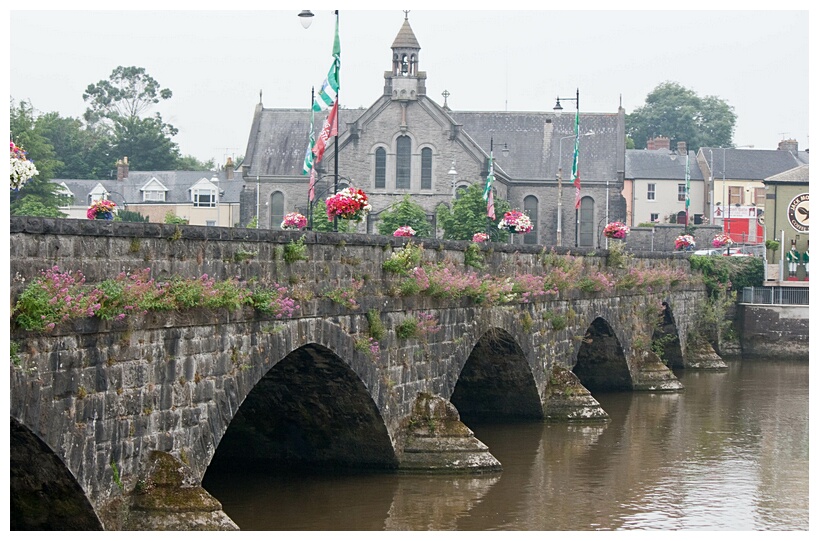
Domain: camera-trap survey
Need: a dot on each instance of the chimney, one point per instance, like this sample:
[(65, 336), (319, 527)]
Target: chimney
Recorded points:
[(681, 148), (789, 144), (122, 168), (658, 143), (229, 168)]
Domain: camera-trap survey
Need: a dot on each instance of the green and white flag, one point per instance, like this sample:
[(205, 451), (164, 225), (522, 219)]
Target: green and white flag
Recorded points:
[(309, 156), (328, 94)]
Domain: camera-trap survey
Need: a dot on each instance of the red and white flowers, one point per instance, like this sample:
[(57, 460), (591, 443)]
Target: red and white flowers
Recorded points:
[(348, 204), (294, 221), (721, 240), (683, 242), (102, 209), (404, 231), (616, 230), (480, 237), (515, 221), (21, 169)]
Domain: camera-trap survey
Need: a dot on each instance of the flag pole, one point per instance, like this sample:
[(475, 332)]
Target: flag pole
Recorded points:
[(336, 46)]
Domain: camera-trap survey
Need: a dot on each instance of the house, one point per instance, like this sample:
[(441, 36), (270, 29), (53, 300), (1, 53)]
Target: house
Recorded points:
[(200, 197), (787, 215), (735, 189), (659, 181), (406, 143)]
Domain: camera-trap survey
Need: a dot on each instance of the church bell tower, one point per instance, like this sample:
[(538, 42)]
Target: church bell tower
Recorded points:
[(405, 82)]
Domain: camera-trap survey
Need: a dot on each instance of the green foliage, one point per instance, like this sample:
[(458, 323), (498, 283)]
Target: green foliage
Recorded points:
[(473, 256), (404, 259), (722, 273), (171, 218), (376, 326), (15, 353), (617, 257), (681, 115), (190, 163), (468, 216), (128, 93), (322, 223), (253, 224), (408, 328), (130, 216), (295, 251), (83, 151), (403, 213), (345, 295)]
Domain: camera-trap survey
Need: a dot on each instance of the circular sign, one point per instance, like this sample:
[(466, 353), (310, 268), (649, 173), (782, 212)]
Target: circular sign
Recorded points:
[(798, 212)]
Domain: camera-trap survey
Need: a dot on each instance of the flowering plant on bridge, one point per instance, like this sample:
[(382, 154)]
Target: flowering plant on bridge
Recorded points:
[(480, 237), (515, 221), (102, 209), (348, 204), (721, 240), (404, 231), (21, 169), (616, 230), (684, 242), (294, 221)]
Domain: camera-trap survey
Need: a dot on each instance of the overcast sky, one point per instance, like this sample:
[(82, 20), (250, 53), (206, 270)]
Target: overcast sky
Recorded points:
[(217, 62)]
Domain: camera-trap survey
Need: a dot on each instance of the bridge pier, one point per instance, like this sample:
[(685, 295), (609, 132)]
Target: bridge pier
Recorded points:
[(567, 400), (651, 374), (436, 441)]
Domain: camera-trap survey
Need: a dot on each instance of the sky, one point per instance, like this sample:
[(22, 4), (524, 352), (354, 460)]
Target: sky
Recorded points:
[(217, 62)]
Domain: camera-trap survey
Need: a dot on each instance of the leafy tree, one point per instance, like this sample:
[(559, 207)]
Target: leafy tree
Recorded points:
[(678, 113), (118, 105), (84, 152), (190, 163), (322, 223), (130, 216), (404, 213), (38, 197), (468, 216)]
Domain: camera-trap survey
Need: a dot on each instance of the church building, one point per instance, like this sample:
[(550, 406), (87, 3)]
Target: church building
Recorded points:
[(406, 143)]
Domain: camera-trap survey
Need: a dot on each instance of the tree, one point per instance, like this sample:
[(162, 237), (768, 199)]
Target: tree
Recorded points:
[(117, 105), (468, 216), (190, 163), (39, 196), (679, 114), (404, 213), (83, 151), (322, 223), (130, 216)]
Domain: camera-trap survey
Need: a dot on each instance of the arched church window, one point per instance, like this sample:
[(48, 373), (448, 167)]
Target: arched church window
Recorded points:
[(530, 209), (586, 232), (403, 155), (426, 168), (380, 167), (276, 210)]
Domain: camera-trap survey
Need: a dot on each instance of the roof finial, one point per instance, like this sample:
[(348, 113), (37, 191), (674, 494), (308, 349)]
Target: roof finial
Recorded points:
[(406, 14), (260, 96)]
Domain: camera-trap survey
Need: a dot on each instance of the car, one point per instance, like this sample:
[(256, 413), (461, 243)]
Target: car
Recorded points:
[(710, 251)]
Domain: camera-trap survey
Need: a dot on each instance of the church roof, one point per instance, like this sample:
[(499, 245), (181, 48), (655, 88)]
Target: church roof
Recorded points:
[(406, 38)]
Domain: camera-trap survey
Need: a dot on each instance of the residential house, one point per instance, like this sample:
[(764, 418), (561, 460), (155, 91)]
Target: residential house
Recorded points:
[(407, 144), (663, 185), (201, 197), (787, 214), (735, 189)]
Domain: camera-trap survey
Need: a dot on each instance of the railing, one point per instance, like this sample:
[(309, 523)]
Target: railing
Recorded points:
[(775, 295)]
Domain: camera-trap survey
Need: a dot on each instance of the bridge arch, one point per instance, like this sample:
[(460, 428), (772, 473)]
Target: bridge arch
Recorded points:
[(496, 381), (44, 495), (601, 360)]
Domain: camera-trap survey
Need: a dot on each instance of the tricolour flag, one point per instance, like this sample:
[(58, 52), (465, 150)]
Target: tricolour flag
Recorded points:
[(576, 160), (687, 185), (330, 129), (487, 191)]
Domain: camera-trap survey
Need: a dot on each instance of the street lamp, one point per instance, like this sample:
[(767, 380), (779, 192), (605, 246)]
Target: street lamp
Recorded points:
[(558, 109), (560, 185), (306, 18)]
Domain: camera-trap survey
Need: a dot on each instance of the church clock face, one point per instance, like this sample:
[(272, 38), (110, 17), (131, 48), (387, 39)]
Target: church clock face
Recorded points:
[(798, 213)]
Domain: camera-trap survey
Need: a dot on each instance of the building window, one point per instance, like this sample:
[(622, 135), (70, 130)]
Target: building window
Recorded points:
[(655, 217), (380, 168), (586, 233), (210, 223), (203, 197), (759, 197), (426, 169), (153, 195), (651, 192), (403, 156), (680, 192), (276, 210), (735, 195), (530, 209)]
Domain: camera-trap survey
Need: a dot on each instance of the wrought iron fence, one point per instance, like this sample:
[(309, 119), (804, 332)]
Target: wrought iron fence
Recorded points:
[(775, 295)]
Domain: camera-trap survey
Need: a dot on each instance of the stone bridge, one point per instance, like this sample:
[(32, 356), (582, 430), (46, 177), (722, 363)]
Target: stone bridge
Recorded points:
[(114, 423)]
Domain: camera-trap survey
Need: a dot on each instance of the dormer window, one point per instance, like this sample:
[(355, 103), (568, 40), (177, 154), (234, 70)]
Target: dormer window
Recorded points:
[(203, 193), (153, 190), (97, 194)]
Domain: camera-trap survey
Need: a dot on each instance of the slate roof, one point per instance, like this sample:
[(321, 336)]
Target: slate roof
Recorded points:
[(660, 164), (751, 164), (797, 175), (406, 38), (177, 183)]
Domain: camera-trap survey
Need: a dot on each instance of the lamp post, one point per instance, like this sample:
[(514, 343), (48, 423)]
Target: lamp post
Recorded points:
[(558, 109), (215, 181), (322, 193), (560, 185)]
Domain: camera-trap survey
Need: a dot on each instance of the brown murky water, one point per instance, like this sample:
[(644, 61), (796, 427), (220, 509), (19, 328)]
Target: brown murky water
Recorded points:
[(729, 453)]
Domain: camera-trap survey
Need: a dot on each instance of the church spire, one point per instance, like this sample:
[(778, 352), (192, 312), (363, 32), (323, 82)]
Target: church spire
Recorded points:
[(405, 81)]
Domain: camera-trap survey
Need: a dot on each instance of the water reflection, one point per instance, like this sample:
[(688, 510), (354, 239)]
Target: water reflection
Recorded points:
[(728, 453)]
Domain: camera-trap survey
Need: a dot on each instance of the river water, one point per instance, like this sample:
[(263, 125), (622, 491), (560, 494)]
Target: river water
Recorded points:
[(729, 453)]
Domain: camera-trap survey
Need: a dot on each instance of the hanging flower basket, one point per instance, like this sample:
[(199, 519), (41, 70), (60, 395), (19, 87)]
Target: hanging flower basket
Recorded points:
[(515, 221), (404, 231), (21, 168), (684, 242), (348, 204), (721, 240), (102, 209), (294, 221), (616, 230), (480, 237)]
